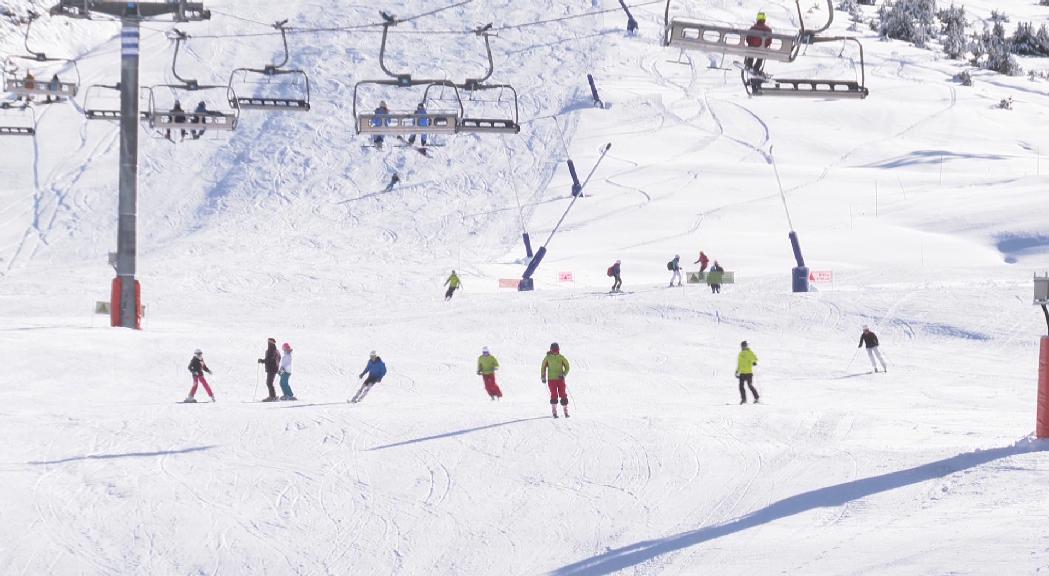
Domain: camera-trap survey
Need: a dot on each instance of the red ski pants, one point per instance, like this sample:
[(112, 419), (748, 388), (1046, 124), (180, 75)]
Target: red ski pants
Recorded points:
[(200, 378), (557, 388), (491, 387)]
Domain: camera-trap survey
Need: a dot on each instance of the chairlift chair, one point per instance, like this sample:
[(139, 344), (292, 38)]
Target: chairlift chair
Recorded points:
[(292, 80), (688, 34), (484, 125), (811, 88), (190, 120), (17, 119), (401, 123), (20, 85)]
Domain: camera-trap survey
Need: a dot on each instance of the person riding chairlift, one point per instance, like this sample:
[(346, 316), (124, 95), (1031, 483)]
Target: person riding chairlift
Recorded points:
[(755, 65)]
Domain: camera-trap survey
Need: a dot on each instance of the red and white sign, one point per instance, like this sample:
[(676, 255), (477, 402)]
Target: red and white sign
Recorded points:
[(509, 282), (565, 277), (823, 276)]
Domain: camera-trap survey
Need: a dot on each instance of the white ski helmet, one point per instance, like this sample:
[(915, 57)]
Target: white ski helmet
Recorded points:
[(198, 352)]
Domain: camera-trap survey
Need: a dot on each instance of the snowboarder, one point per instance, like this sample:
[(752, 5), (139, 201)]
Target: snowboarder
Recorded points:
[(453, 283), (285, 373), (703, 261), (375, 370), (420, 110), (755, 65), (714, 278), (745, 364), (197, 368), (380, 120), (675, 267), (555, 368), (486, 367), (869, 339), (614, 271), (272, 365)]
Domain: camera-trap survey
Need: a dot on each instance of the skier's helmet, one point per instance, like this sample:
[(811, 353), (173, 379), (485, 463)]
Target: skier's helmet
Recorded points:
[(484, 350), (372, 354), (555, 348), (866, 328), (198, 352), (761, 17), (286, 347), (743, 344)]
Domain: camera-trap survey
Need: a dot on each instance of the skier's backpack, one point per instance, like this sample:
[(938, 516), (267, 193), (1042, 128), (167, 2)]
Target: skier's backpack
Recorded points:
[(610, 273), (670, 265)]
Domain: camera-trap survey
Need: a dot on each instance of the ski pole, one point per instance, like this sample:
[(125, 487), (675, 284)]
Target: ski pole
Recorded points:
[(853, 359), (256, 390)]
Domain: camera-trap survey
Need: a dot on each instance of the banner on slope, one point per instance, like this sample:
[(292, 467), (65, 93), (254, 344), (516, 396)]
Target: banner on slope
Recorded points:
[(822, 276), (565, 277), (509, 282)]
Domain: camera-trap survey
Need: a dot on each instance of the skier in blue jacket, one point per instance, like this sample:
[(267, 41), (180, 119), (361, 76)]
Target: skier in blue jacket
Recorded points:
[(375, 370)]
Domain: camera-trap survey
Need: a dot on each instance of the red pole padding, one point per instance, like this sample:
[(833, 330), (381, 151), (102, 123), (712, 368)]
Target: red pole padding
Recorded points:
[(1042, 428), (114, 301)]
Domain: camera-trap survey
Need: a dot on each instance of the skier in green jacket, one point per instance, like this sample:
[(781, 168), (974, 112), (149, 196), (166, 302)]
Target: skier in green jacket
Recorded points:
[(555, 368), (453, 283), (486, 367), (745, 364)]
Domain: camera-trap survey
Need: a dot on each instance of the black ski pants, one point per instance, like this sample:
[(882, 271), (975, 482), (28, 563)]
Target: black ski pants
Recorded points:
[(748, 380), (618, 284), (269, 383)]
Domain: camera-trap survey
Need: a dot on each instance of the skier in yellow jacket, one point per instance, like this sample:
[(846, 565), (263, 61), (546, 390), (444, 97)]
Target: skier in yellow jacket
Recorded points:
[(745, 364), (486, 367), (555, 368)]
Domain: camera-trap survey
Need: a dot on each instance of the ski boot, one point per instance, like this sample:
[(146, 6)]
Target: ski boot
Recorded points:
[(190, 400)]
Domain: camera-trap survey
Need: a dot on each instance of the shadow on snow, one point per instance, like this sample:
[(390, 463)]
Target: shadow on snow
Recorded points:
[(829, 496), (455, 433), (122, 455)]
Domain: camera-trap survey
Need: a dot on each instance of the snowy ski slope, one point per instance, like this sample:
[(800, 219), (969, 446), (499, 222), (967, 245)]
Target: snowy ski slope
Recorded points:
[(925, 201)]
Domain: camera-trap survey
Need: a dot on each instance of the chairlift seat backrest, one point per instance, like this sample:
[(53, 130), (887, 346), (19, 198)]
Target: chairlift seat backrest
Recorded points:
[(841, 89), (17, 131), (488, 126), (194, 121), (100, 114), (429, 123), (270, 104), (688, 34), (42, 87)]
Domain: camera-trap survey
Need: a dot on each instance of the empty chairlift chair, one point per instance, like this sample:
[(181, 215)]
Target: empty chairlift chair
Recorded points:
[(17, 120), (813, 88), (272, 88), (507, 123)]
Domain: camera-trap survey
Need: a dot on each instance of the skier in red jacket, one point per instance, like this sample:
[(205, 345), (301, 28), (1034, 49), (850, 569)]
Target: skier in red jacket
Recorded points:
[(757, 41)]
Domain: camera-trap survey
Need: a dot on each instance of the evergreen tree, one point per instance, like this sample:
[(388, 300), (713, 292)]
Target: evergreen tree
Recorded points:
[(909, 20), (953, 30), (1027, 42), (997, 47)]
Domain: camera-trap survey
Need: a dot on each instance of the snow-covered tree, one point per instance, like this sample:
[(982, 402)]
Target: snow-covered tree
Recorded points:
[(991, 51), (953, 24), (1027, 42), (910, 20)]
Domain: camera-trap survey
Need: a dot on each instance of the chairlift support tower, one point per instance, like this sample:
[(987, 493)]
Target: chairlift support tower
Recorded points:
[(130, 15)]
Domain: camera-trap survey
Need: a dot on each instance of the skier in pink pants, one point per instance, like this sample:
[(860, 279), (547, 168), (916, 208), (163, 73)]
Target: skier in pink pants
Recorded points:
[(197, 368)]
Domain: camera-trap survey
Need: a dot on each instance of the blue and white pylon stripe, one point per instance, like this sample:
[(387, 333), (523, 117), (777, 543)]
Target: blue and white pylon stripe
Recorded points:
[(129, 42)]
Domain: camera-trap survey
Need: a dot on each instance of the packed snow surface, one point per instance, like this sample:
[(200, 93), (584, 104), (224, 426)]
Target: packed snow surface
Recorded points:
[(925, 202)]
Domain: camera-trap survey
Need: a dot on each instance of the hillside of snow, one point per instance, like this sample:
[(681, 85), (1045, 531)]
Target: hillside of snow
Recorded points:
[(925, 201)]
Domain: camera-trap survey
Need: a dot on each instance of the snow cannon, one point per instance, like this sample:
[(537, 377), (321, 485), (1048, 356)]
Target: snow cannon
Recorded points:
[(1041, 298), (800, 273), (577, 187), (527, 284)]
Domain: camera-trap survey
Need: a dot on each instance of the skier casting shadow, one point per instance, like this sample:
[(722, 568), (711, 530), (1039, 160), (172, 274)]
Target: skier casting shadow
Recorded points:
[(375, 370)]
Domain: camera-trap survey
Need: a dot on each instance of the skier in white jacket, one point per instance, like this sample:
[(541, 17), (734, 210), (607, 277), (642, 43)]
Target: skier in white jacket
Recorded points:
[(285, 373)]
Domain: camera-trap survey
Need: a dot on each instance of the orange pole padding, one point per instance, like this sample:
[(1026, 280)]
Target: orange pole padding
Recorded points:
[(138, 305), (1042, 427), (114, 301)]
